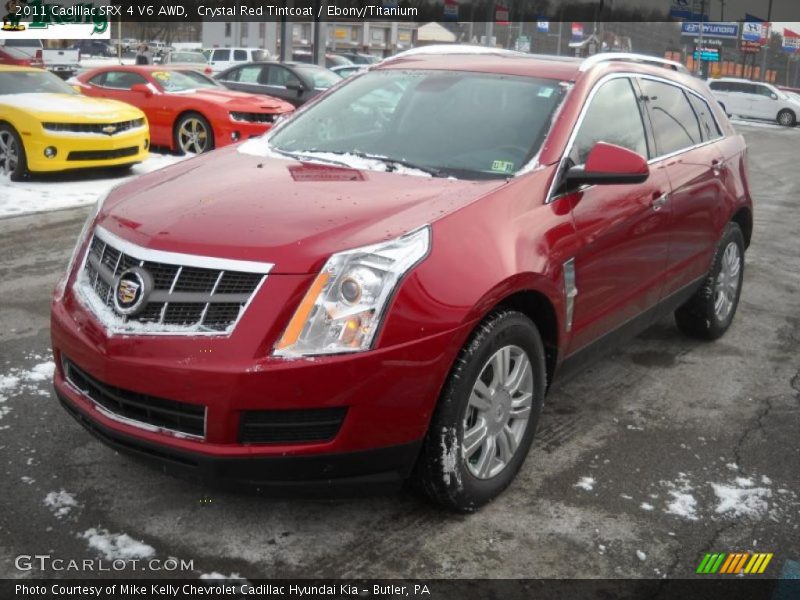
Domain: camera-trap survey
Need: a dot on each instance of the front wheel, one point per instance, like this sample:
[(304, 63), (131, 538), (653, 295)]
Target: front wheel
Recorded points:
[(787, 118), (12, 154), (484, 423), (193, 134), (709, 313)]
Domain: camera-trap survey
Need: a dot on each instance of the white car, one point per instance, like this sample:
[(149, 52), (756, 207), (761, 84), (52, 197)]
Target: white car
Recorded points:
[(220, 59), (755, 100)]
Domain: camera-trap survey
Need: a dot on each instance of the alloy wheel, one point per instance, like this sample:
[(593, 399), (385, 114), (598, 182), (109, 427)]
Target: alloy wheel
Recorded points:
[(498, 412), (727, 284), (193, 136), (9, 153)]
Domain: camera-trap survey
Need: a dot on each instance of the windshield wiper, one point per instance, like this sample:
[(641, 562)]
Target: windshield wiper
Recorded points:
[(306, 157), (392, 164)]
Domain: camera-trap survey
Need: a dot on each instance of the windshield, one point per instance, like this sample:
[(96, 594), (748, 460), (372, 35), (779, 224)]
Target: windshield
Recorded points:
[(182, 81), (464, 124), (187, 57), (320, 78), (32, 82)]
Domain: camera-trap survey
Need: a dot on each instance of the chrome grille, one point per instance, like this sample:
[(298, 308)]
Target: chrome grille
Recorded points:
[(96, 128), (190, 294)]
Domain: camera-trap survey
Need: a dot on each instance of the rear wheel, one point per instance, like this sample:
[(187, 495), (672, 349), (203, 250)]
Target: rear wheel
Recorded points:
[(13, 161), (487, 415), (193, 134), (709, 313), (787, 118)]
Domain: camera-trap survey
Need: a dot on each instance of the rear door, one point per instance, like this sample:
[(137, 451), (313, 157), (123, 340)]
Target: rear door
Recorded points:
[(245, 79), (685, 132), (619, 269)]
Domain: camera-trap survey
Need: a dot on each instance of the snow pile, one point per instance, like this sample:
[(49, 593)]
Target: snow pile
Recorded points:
[(586, 483), (741, 498), (116, 546), (683, 503), (641, 555), (67, 191), (20, 381), (61, 503)]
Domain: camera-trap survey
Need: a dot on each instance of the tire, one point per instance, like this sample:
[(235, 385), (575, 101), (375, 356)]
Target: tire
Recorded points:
[(787, 118), (456, 477), (708, 314), (185, 128), (15, 164)]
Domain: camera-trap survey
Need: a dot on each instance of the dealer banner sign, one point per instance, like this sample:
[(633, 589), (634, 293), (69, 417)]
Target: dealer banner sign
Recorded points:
[(719, 30), (43, 19)]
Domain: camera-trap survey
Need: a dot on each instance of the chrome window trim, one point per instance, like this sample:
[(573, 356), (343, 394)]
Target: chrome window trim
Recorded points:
[(174, 258), (584, 109)]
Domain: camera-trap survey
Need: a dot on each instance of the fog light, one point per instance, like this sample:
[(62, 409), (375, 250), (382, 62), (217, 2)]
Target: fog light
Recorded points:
[(50, 152), (235, 136)]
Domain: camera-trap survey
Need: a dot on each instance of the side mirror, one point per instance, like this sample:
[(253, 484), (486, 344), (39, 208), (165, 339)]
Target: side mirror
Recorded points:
[(609, 164), (774, 96), (142, 88)]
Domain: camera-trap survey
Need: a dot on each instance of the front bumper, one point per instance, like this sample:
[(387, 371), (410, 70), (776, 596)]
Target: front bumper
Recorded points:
[(231, 132), (389, 394), (85, 151)]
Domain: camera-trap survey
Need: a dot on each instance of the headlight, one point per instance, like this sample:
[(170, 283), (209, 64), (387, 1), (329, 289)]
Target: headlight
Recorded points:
[(343, 308), (87, 225)]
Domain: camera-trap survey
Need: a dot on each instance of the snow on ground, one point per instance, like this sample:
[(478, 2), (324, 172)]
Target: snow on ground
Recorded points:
[(30, 381), (50, 192), (105, 61), (116, 546), (741, 499), (586, 483), (61, 503)]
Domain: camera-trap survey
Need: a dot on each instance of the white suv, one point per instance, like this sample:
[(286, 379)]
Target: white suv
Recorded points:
[(220, 59), (755, 100)]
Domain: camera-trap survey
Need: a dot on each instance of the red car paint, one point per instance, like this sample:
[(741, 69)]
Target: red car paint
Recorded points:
[(12, 56), (163, 109), (493, 241)]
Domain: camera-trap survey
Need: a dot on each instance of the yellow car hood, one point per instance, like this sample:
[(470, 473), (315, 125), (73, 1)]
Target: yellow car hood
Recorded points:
[(72, 108)]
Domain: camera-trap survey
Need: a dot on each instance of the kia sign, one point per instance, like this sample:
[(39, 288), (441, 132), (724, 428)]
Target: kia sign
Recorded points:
[(719, 30)]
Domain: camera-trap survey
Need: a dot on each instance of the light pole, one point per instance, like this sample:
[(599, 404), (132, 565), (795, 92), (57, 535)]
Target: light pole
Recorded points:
[(766, 48)]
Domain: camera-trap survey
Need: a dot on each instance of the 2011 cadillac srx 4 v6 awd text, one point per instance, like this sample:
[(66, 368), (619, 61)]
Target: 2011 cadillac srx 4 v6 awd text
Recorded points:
[(385, 285)]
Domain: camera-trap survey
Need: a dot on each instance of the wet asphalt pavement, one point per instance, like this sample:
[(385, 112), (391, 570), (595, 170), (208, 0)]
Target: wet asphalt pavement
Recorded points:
[(664, 450)]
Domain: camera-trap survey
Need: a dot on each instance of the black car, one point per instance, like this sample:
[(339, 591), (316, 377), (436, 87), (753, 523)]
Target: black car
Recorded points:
[(291, 81), (94, 48)]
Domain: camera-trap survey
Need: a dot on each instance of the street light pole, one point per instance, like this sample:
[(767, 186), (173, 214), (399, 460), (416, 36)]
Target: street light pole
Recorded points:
[(766, 48)]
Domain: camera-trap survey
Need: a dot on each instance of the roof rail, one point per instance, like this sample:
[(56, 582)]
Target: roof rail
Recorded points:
[(631, 57)]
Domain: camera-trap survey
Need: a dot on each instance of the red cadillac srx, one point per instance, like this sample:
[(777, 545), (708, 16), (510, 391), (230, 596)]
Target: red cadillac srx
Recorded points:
[(385, 285)]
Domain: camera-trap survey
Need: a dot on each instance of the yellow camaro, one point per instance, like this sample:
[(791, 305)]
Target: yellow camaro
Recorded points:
[(45, 125)]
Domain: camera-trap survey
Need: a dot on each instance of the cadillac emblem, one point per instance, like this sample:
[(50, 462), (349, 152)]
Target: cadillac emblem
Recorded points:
[(131, 289)]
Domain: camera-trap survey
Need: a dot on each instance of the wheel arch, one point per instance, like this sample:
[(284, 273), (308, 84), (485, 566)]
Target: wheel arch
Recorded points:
[(744, 219), (791, 111)]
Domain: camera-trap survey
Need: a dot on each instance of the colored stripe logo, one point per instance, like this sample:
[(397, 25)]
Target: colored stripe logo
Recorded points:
[(733, 563)]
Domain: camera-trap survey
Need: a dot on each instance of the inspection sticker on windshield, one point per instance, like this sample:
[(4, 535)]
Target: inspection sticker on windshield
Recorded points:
[(502, 166), (545, 92)]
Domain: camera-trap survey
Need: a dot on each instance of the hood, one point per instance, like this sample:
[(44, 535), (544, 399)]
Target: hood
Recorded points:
[(241, 100), (72, 108), (231, 205)]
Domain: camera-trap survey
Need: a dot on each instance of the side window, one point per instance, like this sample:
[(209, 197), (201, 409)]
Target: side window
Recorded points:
[(99, 80), (708, 125), (281, 77), (674, 123), (763, 90), (122, 80), (248, 74), (222, 54), (240, 55), (614, 117)]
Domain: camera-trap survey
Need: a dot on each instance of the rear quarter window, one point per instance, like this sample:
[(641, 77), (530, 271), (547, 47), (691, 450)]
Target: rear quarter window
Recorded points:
[(708, 125)]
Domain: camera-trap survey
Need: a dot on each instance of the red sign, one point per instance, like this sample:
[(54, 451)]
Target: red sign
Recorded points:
[(750, 47), (501, 14)]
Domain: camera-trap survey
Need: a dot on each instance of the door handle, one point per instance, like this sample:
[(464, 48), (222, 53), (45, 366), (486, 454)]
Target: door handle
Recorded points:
[(715, 167), (658, 202)]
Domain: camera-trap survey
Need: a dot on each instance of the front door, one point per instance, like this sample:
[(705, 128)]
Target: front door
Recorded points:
[(619, 268)]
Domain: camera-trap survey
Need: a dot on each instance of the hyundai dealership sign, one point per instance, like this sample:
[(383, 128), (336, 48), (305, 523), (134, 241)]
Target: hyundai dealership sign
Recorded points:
[(720, 30)]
